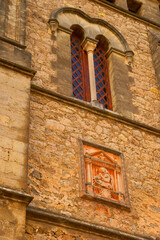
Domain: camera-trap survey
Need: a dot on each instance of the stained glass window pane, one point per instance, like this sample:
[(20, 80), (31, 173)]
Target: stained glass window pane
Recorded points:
[(76, 60), (101, 76)]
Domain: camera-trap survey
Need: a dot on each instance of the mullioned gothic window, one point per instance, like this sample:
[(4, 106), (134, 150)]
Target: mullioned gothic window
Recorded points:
[(80, 72), (88, 67)]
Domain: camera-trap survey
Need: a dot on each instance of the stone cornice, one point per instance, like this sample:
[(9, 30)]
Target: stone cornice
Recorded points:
[(89, 107), (127, 12), (17, 67), (128, 54), (7, 193), (114, 50), (42, 215), (12, 42)]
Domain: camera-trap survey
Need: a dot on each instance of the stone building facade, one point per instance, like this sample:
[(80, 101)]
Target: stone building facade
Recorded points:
[(72, 168)]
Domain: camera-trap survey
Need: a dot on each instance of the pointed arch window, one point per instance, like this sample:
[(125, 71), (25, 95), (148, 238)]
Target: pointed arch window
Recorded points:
[(80, 72)]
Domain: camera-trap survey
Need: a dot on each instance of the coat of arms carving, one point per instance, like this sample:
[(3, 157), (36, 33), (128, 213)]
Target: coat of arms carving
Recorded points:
[(104, 174)]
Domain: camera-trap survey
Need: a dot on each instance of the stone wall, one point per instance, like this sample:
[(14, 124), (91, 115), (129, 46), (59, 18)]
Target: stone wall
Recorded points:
[(54, 164), (142, 83), (14, 107), (14, 121), (40, 231), (12, 219), (154, 40), (58, 122), (12, 20), (15, 76)]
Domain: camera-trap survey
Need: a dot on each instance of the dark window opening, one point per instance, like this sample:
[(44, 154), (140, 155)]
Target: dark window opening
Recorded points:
[(134, 5), (111, 1)]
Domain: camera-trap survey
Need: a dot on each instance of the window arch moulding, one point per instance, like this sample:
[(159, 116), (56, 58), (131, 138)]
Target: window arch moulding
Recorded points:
[(119, 55)]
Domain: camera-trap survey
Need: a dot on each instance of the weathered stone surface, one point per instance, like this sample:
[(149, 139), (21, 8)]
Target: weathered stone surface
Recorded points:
[(135, 95), (53, 166), (36, 174), (12, 20), (154, 41), (150, 10), (14, 108), (12, 222), (40, 231), (62, 195)]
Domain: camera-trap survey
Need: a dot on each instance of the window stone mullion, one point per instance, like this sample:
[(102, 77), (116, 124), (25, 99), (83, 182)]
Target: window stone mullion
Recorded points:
[(89, 46)]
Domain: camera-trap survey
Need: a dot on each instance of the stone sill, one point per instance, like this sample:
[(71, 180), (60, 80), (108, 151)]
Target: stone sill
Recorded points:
[(128, 13), (89, 107), (45, 216), (119, 205)]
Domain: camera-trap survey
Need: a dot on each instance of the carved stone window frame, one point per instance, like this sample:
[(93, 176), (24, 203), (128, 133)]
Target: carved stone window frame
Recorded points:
[(83, 192), (119, 56)]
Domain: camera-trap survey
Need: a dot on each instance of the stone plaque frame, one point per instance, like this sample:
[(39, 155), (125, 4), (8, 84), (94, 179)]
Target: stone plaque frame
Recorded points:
[(103, 175)]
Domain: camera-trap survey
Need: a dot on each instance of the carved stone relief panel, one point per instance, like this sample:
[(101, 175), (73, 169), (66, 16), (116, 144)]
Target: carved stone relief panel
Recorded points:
[(103, 175)]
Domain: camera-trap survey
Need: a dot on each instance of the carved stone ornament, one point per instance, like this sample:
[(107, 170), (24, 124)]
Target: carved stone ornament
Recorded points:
[(129, 58), (53, 23), (104, 176)]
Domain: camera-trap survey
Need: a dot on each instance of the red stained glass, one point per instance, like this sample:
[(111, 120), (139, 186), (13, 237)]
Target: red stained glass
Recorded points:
[(76, 58), (80, 77), (80, 73), (102, 79)]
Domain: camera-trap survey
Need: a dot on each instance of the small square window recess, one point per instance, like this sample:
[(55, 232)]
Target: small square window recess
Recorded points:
[(103, 175)]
